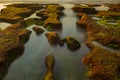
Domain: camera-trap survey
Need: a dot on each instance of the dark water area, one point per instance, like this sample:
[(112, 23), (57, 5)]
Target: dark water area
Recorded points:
[(68, 64)]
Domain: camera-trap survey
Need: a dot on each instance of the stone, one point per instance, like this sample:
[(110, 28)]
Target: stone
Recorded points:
[(72, 43), (53, 38), (38, 30)]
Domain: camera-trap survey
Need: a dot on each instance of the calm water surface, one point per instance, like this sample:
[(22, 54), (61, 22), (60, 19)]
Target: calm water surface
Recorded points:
[(30, 66)]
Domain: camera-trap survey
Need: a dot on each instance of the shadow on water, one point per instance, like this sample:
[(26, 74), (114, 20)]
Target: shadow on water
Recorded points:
[(30, 66)]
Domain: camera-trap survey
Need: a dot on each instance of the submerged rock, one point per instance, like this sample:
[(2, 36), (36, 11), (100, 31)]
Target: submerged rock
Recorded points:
[(72, 43), (49, 62), (53, 38), (38, 30)]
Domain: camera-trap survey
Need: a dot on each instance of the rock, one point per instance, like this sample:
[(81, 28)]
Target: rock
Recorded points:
[(17, 12), (72, 43), (14, 15), (61, 42), (38, 30), (23, 36), (50, 17), (10, 48), (84, 9), (52, 24), (82, 20), (49, 62), (101, 62), (53, 38)]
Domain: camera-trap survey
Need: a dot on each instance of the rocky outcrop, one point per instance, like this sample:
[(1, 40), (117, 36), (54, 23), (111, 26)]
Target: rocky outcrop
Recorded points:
[(53, 38), (82, 20), (50, 17), (84, 9), (114, 7), (108, 15), (72, 43), (103, 64), (12, 42), (49, 62), (38, 30), (17, 12)]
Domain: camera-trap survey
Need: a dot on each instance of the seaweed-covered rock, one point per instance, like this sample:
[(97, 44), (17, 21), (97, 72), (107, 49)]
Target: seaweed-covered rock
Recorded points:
[(11, 47), (49, 62), (103, 64), (82, 20), (50, 17), (84, 9), (72, 43), (38, 30), (53, 38), (61, 42), (13, 14)]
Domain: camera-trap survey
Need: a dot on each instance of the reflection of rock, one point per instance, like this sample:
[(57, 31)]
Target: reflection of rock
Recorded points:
[(72, 43), (103, 64), (11, 47), (84, 9), (53, 38), (49, 62), (38, 30)]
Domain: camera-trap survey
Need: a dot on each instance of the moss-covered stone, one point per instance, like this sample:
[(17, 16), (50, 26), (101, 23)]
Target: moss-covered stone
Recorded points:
[(50, 17), (72, 43), (84, 9), (11, 47), (17, 12), (12, 14), (38, 30), (103, 64), (49, 62), (53, 38)]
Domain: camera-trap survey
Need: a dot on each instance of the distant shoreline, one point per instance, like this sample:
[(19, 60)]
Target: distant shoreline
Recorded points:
[(75, 2)]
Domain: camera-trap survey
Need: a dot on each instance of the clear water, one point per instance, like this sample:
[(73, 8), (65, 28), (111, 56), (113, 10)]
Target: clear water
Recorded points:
[(30, 66)]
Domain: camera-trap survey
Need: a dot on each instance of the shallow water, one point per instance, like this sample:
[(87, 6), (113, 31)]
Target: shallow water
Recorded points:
[(4, 25), (30, 66)]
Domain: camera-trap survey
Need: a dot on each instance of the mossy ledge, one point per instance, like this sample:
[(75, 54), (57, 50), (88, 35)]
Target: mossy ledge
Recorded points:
[(17, 12), (50, 17), (12, 42), (102, 63), (49, 62)]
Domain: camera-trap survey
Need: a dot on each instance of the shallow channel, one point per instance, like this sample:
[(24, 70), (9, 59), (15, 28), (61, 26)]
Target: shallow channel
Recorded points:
[(69, 66)]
